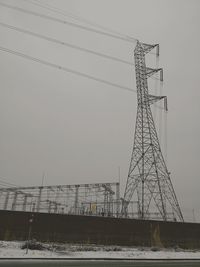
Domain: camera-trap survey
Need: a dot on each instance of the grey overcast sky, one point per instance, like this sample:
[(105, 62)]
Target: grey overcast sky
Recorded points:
[(79, 131)]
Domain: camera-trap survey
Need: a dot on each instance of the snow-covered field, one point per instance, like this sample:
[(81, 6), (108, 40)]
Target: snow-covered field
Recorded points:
[(13, 250)]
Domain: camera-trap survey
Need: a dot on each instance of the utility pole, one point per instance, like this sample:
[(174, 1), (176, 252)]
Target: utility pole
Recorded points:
[(193, 213), (30, 221)]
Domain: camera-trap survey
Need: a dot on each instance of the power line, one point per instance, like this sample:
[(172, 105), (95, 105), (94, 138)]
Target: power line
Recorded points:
[(76, 17), (58, 67), (81, 19), (73, 16), (4, 183), (65, 43), (72, 24), (44, 62)]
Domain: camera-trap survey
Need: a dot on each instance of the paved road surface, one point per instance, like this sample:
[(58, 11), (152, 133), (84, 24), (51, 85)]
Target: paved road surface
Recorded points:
[(98, 263)]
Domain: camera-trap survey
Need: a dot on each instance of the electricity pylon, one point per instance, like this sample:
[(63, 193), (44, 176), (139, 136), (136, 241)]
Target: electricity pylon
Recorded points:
[(148, 178)]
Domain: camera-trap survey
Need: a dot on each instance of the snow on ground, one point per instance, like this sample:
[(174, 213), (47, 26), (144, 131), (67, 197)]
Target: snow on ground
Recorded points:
[(13, 250)]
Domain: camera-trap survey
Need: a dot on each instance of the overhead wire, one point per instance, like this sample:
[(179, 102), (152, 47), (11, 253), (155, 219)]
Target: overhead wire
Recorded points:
[(53, 65), (67, 44), (76, 17), (63, 43), (125, 37), (160, 116), (156, 81), (50, 39), (72, 24), (59, 67), (4, 183), (166, 134)]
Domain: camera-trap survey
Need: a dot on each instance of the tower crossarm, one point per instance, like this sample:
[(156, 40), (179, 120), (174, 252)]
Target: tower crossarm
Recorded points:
[(153, 99), (148, 47), (150, 72)]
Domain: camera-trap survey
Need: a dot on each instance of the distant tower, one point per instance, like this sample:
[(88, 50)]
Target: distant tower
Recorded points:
[(148, 179)]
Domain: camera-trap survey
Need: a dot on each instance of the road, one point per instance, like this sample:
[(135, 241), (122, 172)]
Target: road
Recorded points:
[(102, 263)]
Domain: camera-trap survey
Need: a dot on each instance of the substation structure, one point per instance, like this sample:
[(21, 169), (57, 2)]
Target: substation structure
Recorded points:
[(99, 199)]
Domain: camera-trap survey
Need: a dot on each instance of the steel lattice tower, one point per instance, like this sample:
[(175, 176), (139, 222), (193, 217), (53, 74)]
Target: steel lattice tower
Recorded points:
[(148, 178)]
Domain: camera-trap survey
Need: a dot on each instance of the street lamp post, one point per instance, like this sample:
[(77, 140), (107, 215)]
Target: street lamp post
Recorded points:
[(29, 232)]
